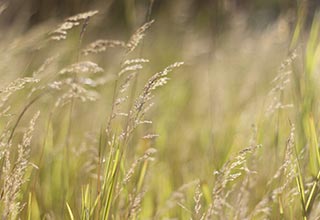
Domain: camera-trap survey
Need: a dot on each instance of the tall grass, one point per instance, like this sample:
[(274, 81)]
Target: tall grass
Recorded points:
[(234, 135)]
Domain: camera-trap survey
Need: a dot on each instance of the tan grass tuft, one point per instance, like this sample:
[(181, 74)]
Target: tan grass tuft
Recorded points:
[(281, 82), (82, 16), (61, 32), (102, 45), (157, 80), (197, 199), (82, 68), (14, 86), (135, 205), (135, 61), (137, 36), (287, 173), (147, 156), (230, 172), (14, 175)]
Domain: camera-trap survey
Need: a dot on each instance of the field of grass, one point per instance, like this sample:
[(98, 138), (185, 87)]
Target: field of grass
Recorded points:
[(164, 121)]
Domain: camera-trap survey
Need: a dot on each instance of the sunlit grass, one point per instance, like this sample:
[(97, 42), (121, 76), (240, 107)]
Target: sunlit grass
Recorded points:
[(127, 131)]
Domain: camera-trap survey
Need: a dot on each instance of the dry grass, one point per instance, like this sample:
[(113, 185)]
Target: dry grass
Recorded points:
[(115, 141)]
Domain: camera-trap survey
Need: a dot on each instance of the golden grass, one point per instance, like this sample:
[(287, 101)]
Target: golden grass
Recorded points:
[(234, 135)]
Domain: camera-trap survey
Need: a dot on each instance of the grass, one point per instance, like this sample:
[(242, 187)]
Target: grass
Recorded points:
[(121, 129)]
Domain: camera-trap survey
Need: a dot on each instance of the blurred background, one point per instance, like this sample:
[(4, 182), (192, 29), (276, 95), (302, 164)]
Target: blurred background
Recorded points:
[(222, 100), (231, 48), (129, 13)]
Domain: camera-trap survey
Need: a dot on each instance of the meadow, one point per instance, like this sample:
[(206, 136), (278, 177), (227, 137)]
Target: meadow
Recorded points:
[(162, 120)]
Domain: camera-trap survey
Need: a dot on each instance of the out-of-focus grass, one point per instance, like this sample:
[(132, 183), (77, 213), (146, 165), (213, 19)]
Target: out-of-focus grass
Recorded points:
[(237, 124)]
